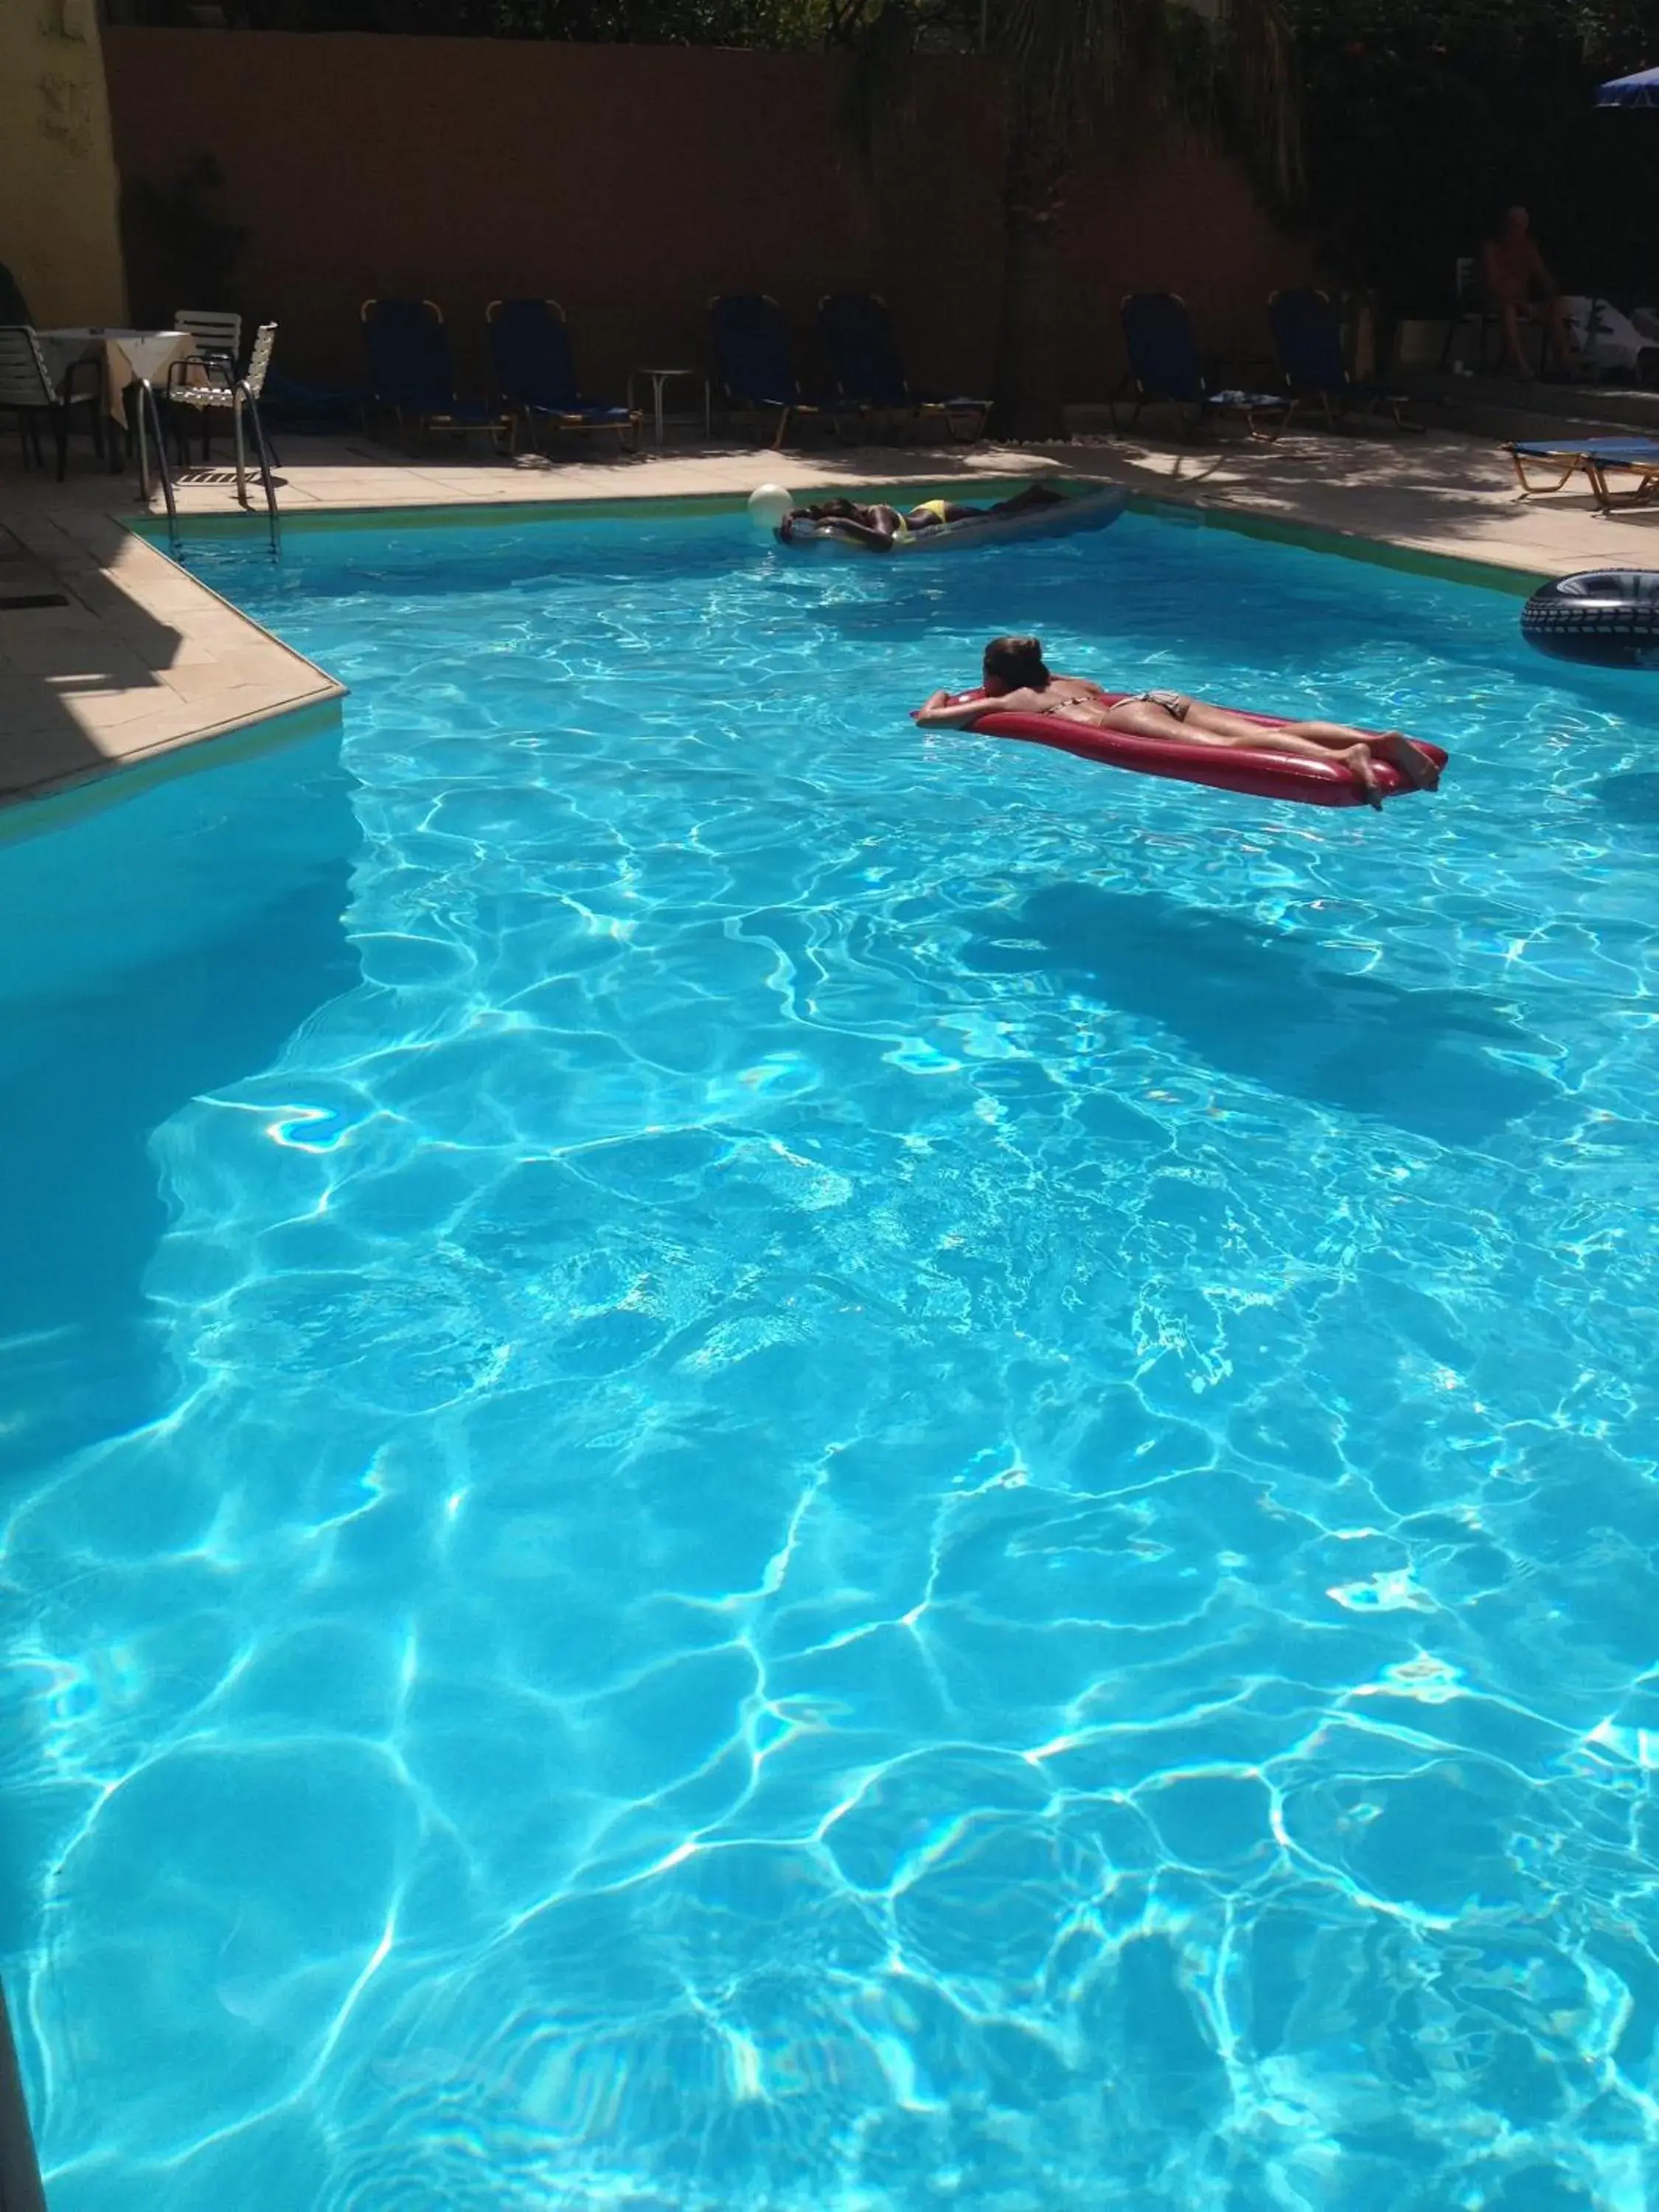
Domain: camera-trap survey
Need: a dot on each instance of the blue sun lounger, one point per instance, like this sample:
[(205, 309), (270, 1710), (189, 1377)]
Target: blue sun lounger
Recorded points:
[(858, 335), (409, 372), (1309, 342), (752, 363), (296, 406), (535, 372), (1594, 456), (1164, 364)]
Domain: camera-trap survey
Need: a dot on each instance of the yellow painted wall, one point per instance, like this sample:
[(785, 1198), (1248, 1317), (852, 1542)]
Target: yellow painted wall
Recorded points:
[(59, 232)]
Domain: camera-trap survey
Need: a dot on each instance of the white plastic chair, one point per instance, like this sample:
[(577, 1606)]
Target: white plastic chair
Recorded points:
[(218, 336), (215, 332), (27, 390), (209, 380)]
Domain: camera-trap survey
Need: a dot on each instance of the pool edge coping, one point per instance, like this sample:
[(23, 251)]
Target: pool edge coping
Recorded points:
[(316, 691), (1512, 580), (59, 801)]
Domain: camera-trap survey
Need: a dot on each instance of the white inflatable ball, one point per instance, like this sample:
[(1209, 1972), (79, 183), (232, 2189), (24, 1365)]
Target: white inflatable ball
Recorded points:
[(767, 505)]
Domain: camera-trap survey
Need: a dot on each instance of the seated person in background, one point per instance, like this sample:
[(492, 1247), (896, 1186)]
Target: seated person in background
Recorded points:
[(1016, 682), (1521, 288), (880, 527)]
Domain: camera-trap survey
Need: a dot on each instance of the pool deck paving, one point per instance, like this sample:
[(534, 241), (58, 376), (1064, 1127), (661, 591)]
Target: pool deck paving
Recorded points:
[(143, 661)]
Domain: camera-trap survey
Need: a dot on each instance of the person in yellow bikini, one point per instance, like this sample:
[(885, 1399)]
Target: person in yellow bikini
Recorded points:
[(881, 527)]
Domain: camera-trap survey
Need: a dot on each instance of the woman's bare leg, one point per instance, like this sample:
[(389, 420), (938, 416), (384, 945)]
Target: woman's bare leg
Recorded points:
[(1357, 750), (1509, 316), (1391, 745), (1215, 726)]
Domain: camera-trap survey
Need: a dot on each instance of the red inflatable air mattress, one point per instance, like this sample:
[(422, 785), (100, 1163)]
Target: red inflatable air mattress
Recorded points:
[(1263, 775)]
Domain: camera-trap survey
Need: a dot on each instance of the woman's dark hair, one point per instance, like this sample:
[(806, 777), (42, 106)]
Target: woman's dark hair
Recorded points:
[(1016, 662), (833, 510)]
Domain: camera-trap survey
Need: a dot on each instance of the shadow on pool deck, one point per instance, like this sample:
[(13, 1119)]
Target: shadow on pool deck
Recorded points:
[(1266, 1006), (78, 654)]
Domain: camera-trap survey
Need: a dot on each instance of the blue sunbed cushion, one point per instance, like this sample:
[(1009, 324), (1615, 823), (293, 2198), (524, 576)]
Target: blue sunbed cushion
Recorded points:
[(1247, 399), (536, 367), (905, 397), (580, 410), (284, 401), (1603, 449), (863, 350), (1164, 357), (409, 357), (1308, 342), (751, 351), (858, 335)]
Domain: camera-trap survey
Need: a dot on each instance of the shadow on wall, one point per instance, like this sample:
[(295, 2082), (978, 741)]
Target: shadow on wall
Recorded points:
[(157, 950), (180, 251), (1265, 1007)]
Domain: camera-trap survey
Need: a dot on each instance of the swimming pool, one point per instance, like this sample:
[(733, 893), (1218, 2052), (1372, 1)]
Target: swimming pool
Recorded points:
[(757, 1461)]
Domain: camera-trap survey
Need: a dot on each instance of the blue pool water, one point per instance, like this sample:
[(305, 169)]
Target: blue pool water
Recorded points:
[(753, 1461)]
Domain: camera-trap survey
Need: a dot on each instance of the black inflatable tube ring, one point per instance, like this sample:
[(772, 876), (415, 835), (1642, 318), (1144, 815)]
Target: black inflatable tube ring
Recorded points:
[(1605, 616)]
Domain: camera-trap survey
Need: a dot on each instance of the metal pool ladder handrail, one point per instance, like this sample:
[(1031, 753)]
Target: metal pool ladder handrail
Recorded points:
[(245, 403), (149, 415)]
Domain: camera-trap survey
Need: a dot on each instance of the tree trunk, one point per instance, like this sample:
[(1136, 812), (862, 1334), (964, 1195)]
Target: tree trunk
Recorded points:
[(1028, 394)]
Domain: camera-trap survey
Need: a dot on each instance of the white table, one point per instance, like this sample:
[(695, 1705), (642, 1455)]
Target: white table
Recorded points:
[(660, 379), (124, 356)]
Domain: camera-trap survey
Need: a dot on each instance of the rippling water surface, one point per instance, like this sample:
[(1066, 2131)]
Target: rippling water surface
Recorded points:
[(758, 1461)]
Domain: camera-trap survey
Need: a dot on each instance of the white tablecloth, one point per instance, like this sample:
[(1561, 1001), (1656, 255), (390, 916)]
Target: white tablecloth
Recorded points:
[(1605, 338), (127, 356)]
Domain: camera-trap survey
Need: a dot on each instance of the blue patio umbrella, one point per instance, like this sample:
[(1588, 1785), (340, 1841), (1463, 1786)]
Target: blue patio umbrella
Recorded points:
[(1641, 90)]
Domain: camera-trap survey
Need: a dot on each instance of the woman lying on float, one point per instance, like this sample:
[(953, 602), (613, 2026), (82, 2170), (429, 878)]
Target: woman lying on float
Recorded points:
[(1019, 698), (880, 527)]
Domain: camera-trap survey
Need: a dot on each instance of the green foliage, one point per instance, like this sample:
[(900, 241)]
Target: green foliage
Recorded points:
[(641, 22), (1075, 66), (1422, 121)]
